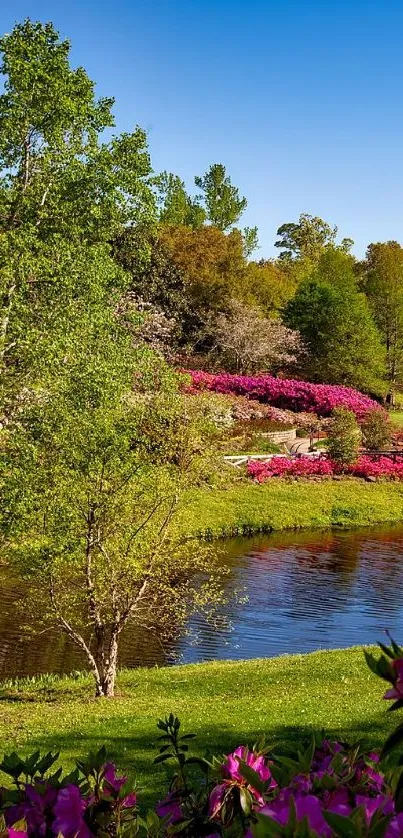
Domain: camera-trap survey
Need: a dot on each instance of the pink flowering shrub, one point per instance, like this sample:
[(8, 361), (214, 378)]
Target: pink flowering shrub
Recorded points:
[(92, 800), (244, 409), (284, 466), (321, 465), (286, 394)]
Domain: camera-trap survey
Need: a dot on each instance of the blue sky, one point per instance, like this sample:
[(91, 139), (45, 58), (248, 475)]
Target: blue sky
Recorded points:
[(302, 101)]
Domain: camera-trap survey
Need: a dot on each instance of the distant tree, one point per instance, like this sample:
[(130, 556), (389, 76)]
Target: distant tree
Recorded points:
[(336, 326), (156, 281), (246, 342), (268, 285), (212, 264), (175, 205), (250, 240), (382, 281), (307, 238), (223, 203)]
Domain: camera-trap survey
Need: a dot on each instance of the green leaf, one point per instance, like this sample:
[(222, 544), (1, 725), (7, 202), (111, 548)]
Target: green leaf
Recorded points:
[(252, 777), (393, 741), (341, 826)]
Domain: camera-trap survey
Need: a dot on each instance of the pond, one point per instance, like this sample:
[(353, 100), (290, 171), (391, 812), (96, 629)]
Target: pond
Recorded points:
[(305, 591)]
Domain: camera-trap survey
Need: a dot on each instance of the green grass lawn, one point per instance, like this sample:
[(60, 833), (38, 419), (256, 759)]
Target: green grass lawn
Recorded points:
[(245, 507), (225, 704), (396, 418)]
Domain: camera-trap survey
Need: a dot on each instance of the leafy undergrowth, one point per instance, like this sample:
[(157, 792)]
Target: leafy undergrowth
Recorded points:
[(224, 703)]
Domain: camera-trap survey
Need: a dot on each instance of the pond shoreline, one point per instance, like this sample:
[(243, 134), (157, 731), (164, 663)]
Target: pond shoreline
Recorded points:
[(246, 508)]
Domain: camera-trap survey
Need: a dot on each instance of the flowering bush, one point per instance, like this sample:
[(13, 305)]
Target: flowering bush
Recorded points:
[(90, 801), (284, 466), (286, 394), (321, 465)]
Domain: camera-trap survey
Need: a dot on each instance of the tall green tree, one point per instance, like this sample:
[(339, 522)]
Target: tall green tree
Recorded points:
[(224, 205), (63, 194), (307, 238), (335, 323), (382, 281), (175, 205)]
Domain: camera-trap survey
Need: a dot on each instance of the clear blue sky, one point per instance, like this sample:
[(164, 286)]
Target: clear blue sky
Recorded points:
[(302, 101)]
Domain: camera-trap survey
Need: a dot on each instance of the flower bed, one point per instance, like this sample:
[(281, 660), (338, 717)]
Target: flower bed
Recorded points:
[(321, 465), (287, 394)]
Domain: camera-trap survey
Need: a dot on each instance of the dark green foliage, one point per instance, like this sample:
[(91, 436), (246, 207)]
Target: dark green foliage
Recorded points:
[(155, 278), (336, 325)]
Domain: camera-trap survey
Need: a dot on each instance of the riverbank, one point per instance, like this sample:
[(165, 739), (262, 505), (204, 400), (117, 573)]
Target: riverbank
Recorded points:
[(224, 703), (245, 508)]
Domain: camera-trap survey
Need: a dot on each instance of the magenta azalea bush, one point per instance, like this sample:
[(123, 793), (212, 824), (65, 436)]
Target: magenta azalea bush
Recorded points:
[(326, 789), (286, 394), (322, 466)]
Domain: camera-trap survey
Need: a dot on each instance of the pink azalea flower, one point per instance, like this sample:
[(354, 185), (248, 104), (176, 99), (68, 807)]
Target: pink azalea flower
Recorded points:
[(32, 809), (396, 691), (115, 783), (215, 800), (16, 833), (288, 394), (69, 810), (170, 807), (395, 827), (374, 804), (306, 806)]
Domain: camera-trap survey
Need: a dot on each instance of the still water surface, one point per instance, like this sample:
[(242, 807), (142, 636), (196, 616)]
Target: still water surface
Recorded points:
[(306, 591)]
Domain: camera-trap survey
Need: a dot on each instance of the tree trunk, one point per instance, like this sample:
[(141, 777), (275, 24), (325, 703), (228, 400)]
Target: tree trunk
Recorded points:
[(107, 661), (5, 319)]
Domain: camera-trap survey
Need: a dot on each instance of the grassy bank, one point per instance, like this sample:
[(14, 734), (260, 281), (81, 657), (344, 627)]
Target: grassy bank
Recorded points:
[(224, 703), (245, 507)]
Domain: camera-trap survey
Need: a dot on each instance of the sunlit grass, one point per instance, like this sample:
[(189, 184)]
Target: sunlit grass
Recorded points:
[(245, 508), (396, 418), (224, 703)]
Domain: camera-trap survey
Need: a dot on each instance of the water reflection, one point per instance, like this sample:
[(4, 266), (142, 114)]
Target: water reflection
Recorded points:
[(305, 591)]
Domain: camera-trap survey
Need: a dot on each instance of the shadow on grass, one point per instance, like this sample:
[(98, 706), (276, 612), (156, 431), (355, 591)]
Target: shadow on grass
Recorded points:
[(134, 752)]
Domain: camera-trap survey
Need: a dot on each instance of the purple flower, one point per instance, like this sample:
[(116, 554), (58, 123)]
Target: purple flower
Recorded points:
[(69, 810), (216, 799), (115, 783), (395, 827), (16, 833), (33, 809), (396, 691), (373, 804), (306, 806), (257, 762), (170, 807)]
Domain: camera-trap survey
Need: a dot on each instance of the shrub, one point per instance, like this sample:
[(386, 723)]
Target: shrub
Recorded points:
[(344, 437), (376, 430), (287, 394), (321, 466)]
